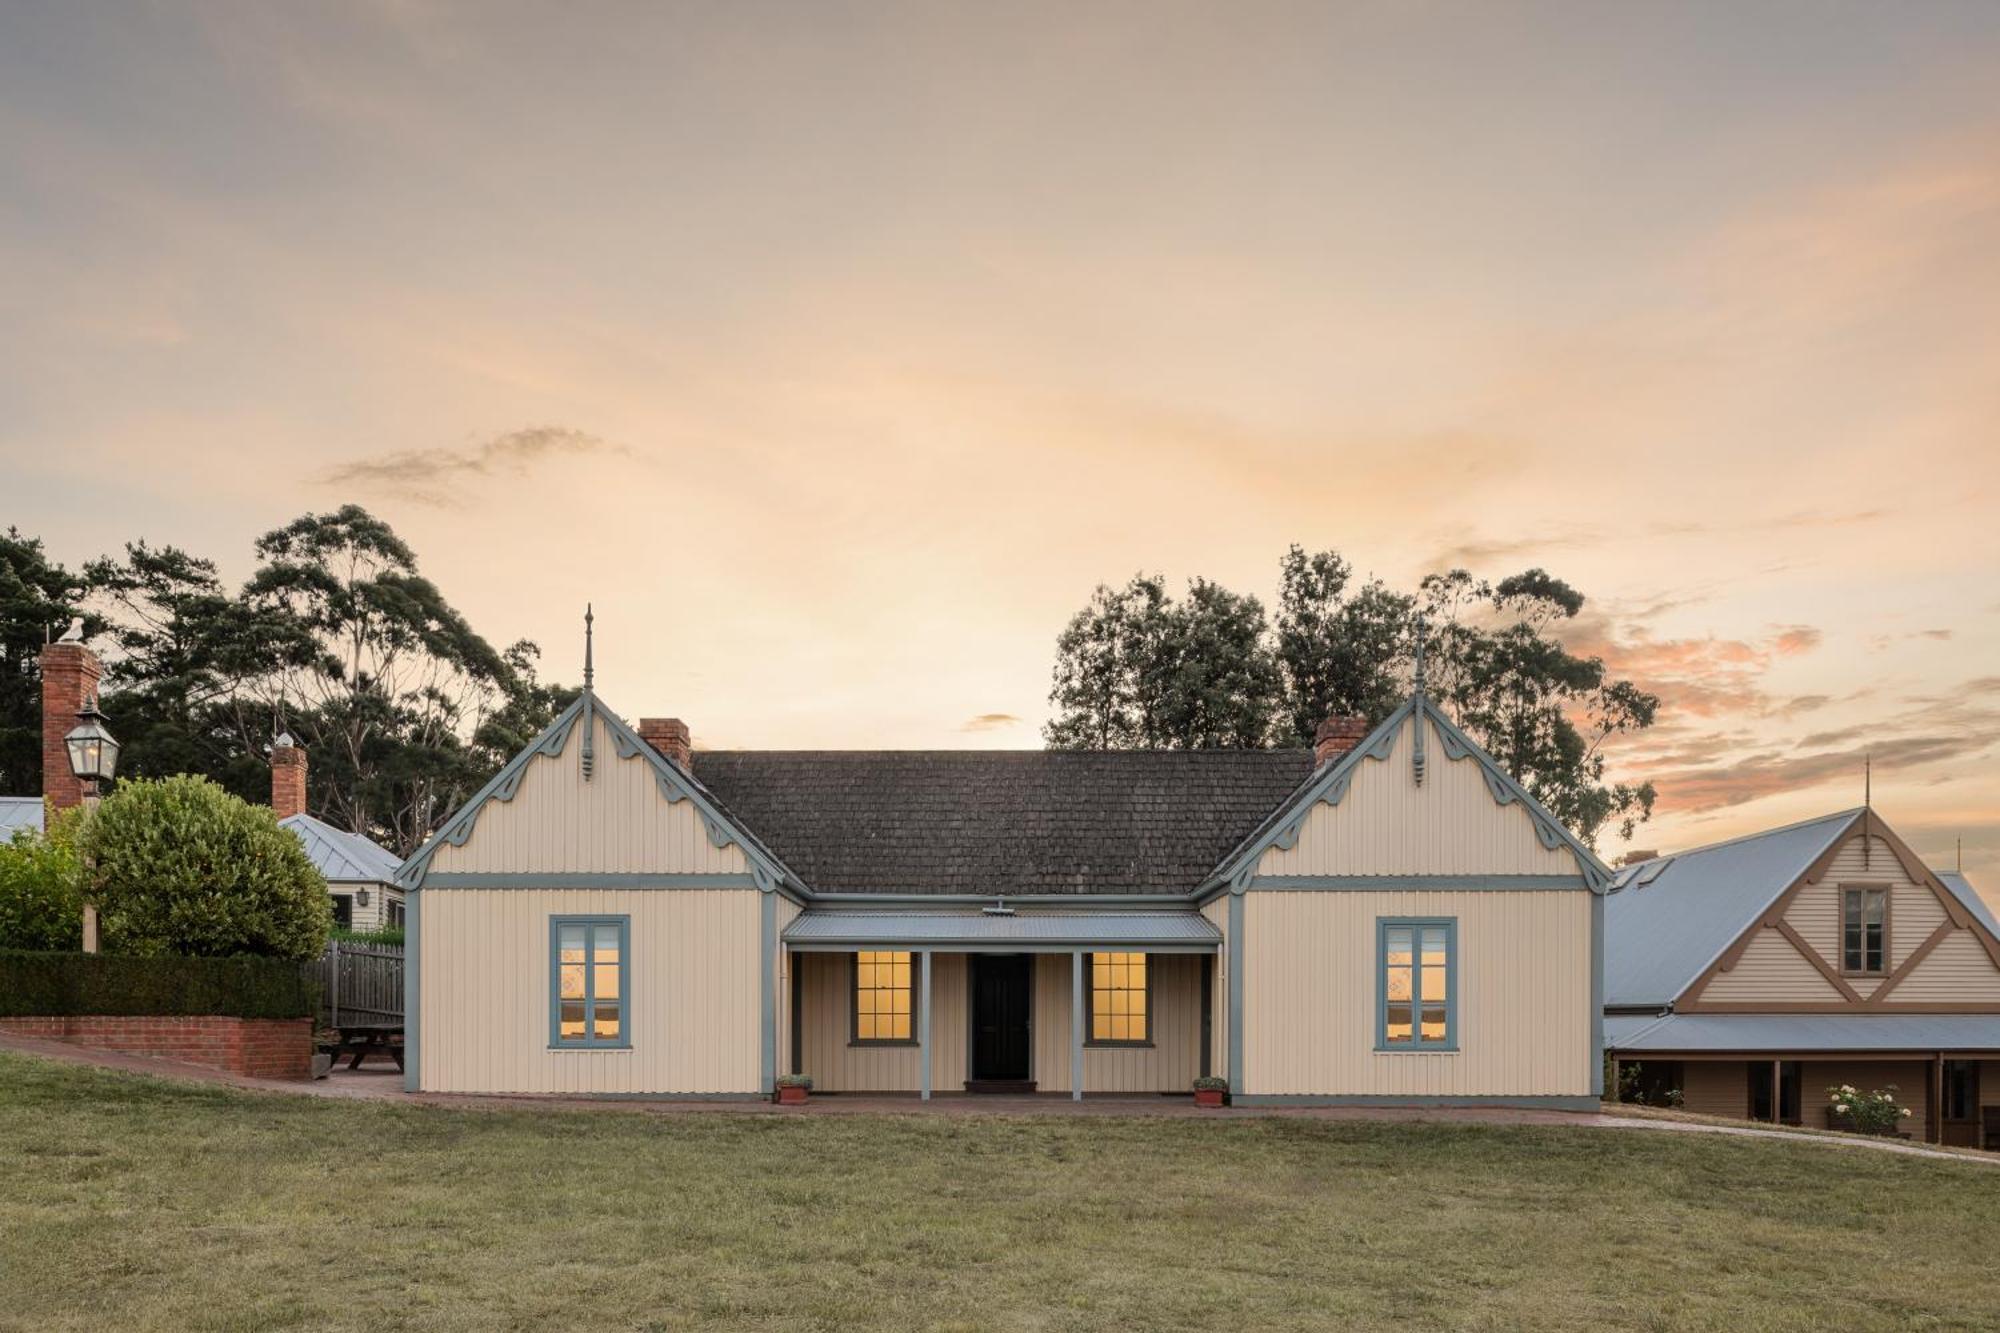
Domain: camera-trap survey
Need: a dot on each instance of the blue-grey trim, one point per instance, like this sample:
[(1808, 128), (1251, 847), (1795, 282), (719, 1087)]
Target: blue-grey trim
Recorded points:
[(768, 992), (1547, 1103), (475, 879), (1597, 995), (1076, 1027), (1235, 946), (1416, 1045), (924, 1020), (1441, 883), (413, 994), (589, 1041), (1330, 785), (674, 785)]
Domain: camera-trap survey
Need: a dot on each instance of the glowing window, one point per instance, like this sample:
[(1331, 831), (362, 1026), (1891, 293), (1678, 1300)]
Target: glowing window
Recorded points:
[(884, 1003), (1118, 999), (590, 969), (1417, 987)]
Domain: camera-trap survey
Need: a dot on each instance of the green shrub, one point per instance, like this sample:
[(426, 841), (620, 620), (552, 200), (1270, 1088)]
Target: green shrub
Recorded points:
[(180, 866), (385, 935), (41, 888), (61, 984)]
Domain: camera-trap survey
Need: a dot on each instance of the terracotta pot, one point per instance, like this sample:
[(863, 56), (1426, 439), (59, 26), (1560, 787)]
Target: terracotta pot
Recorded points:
[(1208, 1096), (789, 1096)]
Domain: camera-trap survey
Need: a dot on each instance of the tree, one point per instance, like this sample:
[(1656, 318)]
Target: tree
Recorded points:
[(180, 669), (1137, 670), (1340, 653), (388, 685), (180, 866), (38, 599), (41, 888), (1541, 711)]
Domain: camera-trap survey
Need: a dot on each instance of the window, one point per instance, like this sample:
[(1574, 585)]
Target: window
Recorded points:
[(884, 1003), (395, 910), (343, 911), (1417, 988), (1118, 992), (1864, 930), (590, 968)]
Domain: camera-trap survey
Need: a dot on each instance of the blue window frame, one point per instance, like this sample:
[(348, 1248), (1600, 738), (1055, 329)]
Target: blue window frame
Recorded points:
[(1416, 983), (590, 981)]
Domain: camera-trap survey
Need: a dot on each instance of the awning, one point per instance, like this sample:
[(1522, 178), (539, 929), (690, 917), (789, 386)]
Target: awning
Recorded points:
[(1020, 931), (1701, 1034)]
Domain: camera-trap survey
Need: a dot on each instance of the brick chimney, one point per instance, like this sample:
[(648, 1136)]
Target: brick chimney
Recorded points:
[(1634, 858), (668, 735), (70, 673), (288, 777), (1336, 736)]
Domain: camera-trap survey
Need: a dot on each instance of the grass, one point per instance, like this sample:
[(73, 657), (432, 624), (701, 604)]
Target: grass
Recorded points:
[(134, 1203)]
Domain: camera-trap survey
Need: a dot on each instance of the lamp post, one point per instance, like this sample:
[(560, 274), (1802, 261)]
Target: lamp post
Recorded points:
[(93, 758)]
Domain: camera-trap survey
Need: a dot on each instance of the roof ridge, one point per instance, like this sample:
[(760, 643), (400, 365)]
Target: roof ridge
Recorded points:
[(1746, 837)]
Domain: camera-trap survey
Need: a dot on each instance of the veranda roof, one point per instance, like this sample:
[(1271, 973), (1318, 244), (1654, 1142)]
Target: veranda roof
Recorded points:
[(1021, 931), (1702, 1034)]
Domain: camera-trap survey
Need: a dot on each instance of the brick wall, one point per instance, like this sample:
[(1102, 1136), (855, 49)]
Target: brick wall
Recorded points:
[(254, 1047)]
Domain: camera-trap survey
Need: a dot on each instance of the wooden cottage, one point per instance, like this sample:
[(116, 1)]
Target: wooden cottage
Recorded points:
[(1389, 919), (1753, 975)]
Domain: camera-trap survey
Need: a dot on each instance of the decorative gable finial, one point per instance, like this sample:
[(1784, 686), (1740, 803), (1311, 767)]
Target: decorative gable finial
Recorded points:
[(587, 757), (1417, 712)]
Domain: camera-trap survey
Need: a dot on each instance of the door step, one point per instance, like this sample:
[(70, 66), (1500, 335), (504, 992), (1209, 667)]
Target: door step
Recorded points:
[(1016, 1086)]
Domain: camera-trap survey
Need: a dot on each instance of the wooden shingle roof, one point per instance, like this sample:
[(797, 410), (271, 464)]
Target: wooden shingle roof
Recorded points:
[(994, 822)]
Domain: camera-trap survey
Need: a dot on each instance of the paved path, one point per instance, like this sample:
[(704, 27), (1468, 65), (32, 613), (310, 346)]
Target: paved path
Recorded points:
[(384, 1083)]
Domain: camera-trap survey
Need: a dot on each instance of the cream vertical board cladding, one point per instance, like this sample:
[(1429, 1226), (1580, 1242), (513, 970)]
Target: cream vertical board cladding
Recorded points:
[(1170, 1064), (617, 822), (694, 1009), (1524, 995), (1914, 911), (1771, 971), (826, 1048), (1216, 913), (1388, 825), (1958, 970)]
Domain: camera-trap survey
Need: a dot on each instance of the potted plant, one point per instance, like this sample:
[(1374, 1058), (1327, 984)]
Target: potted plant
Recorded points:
[(1209, 1090), (792, 1089), (1876, 1112)]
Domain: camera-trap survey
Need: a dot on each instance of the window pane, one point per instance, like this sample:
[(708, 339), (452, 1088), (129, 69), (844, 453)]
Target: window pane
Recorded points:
[(606, 1016), (1399, 983), (1434, 1024), (570, 941), (1399, 1021), (607, 981), (1398, 946), (1118, 997), (571, 981), (572, 1018), (606, 942)]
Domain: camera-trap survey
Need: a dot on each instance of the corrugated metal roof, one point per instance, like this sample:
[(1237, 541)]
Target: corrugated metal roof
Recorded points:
[(19, 812), (340, 855), (1024, 929), (1961, 889), (1661, 934), (1696, 1033)]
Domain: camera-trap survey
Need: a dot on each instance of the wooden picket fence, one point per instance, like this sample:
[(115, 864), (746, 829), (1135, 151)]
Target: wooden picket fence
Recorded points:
[(359, 983)]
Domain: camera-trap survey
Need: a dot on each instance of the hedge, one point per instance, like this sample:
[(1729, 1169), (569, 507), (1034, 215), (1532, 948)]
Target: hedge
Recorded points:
[(65, 984)]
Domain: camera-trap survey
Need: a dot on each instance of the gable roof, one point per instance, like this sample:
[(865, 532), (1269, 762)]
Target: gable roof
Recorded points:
[(675, 785), (1002, 822), (1968, 897), (1328, 786), (1666, 920), (19, 812), (342, 857)]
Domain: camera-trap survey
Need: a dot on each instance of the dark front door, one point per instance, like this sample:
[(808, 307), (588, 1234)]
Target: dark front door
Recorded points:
[(1959, 1117), (1002, 991)]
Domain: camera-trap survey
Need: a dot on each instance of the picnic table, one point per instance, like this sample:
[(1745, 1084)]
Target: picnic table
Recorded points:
[(361, 1040)]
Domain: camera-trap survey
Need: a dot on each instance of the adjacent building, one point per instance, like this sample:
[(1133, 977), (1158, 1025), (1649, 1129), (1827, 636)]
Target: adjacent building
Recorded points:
[(360, 875), (1752, 975), (1387, 919)]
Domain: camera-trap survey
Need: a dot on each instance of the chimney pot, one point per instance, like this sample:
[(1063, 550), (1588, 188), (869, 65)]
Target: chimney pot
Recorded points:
[(1336, 736), (668, 735), (288, 778)]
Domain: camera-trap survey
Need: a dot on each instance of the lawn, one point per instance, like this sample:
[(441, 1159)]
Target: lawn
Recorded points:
[(132, 1203)]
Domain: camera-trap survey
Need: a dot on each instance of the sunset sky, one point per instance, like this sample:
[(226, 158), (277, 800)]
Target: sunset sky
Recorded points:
[(836, 352)]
